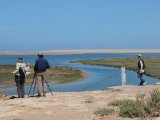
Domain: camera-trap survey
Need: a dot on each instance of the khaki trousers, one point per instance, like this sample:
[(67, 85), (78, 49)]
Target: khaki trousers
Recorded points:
[(41, 83)]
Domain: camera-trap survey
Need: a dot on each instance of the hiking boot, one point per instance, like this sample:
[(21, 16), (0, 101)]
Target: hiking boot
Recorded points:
[(39, 95), (144, 83), (141, 83)]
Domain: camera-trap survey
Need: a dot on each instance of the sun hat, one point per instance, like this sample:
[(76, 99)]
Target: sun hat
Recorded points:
[(20, 60), (139, 55)]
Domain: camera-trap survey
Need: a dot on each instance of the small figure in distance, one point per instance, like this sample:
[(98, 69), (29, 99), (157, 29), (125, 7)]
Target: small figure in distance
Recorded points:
[(140, 70), (40, 67)]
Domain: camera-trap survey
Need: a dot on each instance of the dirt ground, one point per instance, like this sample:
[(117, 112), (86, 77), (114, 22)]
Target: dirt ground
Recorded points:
[(69, 105)]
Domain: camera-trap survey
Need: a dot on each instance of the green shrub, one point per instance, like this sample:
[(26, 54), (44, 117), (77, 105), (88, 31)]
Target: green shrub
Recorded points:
[(132, 109), (153, 104), (155, 98), (135, 108), (104, 111), (140, 108)]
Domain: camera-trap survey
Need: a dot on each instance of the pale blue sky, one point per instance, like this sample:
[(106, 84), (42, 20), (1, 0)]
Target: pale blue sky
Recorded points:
[(31, 25)]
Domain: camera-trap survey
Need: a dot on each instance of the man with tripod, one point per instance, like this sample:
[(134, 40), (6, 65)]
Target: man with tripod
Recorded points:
[(40, 67)]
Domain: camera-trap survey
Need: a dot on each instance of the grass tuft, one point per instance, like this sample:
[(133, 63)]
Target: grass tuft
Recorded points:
[(104, 111)]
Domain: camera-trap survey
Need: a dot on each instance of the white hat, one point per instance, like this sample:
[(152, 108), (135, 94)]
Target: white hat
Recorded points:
[(139, 55)]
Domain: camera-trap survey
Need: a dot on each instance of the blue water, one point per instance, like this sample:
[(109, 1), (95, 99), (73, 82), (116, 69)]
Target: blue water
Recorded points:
[(99, 77)]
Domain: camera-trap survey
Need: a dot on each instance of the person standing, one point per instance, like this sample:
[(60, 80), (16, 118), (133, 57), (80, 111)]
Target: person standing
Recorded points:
[(140, 69), (40, 67), (20, 74)]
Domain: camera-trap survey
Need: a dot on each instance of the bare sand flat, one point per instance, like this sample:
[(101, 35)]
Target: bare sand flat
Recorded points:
[(51, 52), (69, 105)]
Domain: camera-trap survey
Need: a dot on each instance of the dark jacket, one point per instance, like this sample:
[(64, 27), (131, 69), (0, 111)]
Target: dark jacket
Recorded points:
[(41, 65)]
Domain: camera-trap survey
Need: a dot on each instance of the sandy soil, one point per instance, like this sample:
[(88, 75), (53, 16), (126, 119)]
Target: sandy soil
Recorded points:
[(69, 105), (50, 52)]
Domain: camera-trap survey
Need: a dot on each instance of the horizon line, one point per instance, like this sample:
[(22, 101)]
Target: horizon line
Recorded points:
[(80, 51)]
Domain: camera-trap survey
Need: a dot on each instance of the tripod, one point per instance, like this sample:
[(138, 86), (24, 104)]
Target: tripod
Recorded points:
[(34, 82)]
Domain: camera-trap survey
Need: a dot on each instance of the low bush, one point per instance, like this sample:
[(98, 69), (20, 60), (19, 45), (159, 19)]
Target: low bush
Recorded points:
[(104, 111), (140, 107), (153, 104), (132, 109)]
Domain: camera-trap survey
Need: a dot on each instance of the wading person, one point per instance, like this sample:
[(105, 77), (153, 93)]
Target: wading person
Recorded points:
[(40, 67), (140, 69), (20, 74)]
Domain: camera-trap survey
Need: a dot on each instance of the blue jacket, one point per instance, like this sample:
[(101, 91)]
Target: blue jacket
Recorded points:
[(41, 65)]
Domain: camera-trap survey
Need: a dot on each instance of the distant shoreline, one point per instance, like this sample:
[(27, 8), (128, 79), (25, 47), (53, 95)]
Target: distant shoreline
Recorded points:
[(60, 52)]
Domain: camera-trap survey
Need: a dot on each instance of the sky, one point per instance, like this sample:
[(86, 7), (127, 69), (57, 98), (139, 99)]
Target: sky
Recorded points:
[(31, 25)]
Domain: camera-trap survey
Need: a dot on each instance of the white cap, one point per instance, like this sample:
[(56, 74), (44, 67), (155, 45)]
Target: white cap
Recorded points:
[(40, 53)]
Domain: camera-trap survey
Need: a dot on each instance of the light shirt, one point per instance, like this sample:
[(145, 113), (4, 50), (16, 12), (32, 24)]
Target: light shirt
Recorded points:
[(23, 66)]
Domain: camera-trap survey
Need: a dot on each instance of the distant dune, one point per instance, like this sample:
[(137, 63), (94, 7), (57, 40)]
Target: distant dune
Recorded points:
[(51, 52)]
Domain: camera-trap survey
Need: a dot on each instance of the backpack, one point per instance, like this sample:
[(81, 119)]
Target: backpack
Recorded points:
[(22, 75), (21, 72), (143, 64)]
